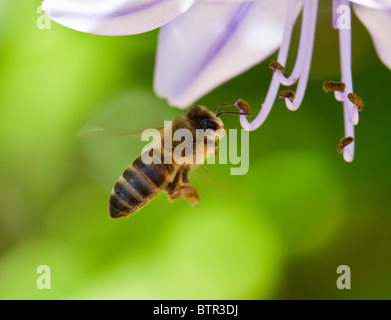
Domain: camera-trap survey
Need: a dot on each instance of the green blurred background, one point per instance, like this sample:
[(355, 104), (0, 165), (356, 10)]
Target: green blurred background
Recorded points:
[(279, 232)]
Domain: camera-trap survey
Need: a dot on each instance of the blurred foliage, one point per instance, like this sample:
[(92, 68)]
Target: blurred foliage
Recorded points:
[(279, 232)]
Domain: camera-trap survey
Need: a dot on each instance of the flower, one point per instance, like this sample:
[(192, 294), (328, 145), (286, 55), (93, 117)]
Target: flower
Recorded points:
[(203, 43)]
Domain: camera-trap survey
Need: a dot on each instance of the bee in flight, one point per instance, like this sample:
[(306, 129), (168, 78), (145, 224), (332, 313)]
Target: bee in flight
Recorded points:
[(141, 182)]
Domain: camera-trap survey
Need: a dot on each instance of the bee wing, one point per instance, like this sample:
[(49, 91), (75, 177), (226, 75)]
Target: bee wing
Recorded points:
[(128, 114), (114, 133), (215, 178), (96, 132)]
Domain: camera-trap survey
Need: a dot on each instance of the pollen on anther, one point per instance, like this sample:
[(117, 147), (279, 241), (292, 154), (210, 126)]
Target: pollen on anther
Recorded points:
[(276, 66), (333, 86), (287, 94), (356, 100), (343, 143), (243, 105)]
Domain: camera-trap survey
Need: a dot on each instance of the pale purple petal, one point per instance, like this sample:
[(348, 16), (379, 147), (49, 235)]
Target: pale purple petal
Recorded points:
[(213, 42), (114, 17), (230, 1), (378, 23), (375, 4)]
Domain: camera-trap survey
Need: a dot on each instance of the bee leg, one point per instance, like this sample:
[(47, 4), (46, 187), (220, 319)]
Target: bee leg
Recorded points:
[(216, 147), (191, 193), (186, 190), (185, 175), (180, 187), (173, 187)]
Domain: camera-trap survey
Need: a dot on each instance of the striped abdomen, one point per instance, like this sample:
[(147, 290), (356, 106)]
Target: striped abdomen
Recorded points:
[(137, 186)]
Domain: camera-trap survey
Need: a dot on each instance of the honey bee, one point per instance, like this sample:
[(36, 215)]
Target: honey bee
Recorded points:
[(141, 182)]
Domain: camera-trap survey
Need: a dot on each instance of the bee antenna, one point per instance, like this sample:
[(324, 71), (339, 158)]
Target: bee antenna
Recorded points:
[(223, 105), (231, 112), (240, 104)]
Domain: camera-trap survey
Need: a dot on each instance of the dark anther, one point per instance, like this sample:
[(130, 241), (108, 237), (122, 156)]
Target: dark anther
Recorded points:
[(276, 66), (287, 94), (344, 142), (356, 100), (333, 86), (243, 105)]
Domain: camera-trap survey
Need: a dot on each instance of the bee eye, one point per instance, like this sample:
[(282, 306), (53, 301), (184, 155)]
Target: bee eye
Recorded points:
[(209, 124)]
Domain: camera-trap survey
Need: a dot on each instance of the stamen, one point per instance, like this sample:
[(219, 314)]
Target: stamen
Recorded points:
[(339, 96), (344, 142), (348, 151), (302, 85), (350, 112), (287, 94), (337, 87), (301, 55), (274, 85), (276, 66), (333, 86), (356, 100), (302, 69), (336, 4), (243, 105)]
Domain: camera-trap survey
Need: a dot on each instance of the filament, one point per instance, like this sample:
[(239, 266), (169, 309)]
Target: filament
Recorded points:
[(303, 80), (349, 110), (275, 84), (300, 60)]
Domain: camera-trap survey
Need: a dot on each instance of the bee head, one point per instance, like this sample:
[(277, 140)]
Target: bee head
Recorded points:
[(205, 119), (202, 118)]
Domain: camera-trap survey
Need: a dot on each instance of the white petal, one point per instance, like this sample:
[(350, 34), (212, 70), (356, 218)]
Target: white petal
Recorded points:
[(115, 17), (213, 42), (378, 23)]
